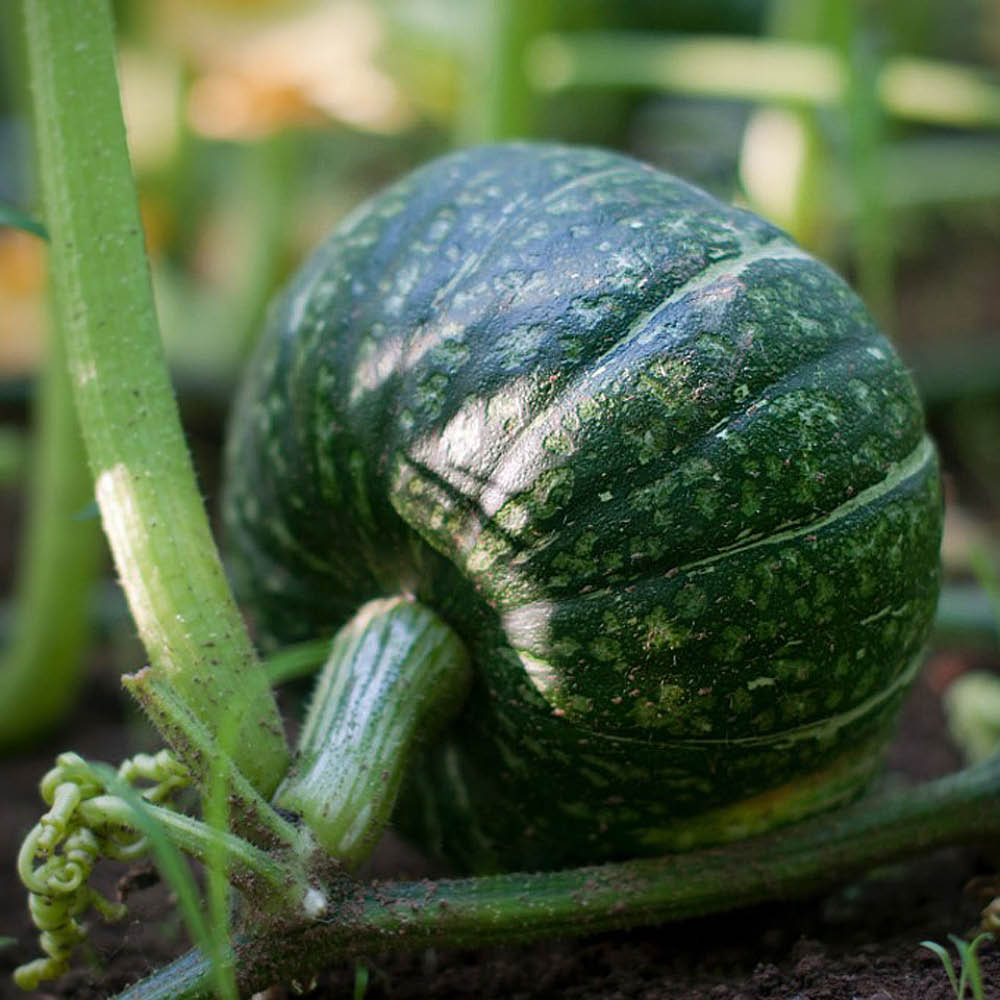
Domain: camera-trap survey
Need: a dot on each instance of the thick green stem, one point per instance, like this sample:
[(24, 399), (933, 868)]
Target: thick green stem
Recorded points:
[(150, 504), (269, 185), (41, 669), (792, 862), (395, 674), (60, 551)]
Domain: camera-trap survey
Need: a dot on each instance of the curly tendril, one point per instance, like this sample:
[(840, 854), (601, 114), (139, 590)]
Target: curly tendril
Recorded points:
[(58, 856)]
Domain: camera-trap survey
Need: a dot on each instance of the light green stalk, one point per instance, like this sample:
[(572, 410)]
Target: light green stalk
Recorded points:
[(867, 127), (41, 668), (500, 101), (804, 207), (150, 505), (58, 557), (756, 69)]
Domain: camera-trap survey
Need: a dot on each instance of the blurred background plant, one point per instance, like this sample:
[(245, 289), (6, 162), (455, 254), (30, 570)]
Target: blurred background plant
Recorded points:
[(869, 129)]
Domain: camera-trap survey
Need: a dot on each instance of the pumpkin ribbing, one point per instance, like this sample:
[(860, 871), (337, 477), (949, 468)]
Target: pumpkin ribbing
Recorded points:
[(652, 462)]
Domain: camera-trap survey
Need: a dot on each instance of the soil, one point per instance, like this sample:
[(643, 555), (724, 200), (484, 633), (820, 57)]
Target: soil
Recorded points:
[(860, 943)]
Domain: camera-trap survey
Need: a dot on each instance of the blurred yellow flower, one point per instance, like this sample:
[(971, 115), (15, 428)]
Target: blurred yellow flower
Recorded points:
[(313, 63)]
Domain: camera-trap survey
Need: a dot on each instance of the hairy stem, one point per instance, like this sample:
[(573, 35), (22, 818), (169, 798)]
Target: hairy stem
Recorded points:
[(150, 504), (258, 820), (793, 862)]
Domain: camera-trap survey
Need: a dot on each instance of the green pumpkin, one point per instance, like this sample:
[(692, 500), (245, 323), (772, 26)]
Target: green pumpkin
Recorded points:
[(652, 462)]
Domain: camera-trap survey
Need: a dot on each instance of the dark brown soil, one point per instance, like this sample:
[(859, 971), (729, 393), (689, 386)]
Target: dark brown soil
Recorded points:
[(861, 943)]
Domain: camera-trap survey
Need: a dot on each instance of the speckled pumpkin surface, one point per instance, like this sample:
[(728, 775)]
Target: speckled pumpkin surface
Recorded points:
[(653, 463)]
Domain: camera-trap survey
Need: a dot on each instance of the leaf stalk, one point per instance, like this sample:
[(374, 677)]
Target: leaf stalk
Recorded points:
[(150, 504)]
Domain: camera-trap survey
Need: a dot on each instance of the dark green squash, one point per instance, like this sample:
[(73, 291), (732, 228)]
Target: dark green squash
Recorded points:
[(650, 460)]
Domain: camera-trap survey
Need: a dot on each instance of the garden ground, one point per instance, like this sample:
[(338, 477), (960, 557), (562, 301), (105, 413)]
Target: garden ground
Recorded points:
[(861, 943)]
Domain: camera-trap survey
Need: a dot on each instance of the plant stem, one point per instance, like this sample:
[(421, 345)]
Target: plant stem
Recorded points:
[(866, 127), (721, 66), (150, 504), (757, 69), (40, 671), (800, 202), (299, 660), (258, 820), (269, 168), (502, 103), (792, 862), (395, 674), (196, 839)]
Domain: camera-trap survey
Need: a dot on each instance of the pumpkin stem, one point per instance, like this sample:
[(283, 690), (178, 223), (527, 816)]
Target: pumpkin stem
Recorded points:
[(395, 674)]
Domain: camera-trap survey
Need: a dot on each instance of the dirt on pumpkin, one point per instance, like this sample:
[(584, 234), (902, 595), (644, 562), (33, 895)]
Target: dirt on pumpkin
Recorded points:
[(860, 943)]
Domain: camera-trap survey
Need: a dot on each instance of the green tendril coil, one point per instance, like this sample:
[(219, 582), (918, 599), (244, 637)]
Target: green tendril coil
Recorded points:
[(58, 856)]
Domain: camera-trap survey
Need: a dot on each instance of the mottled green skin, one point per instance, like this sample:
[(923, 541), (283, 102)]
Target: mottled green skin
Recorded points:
[(652, 462)]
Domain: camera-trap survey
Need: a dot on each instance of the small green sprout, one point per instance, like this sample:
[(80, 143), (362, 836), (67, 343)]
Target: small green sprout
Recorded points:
[(971, 975)]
